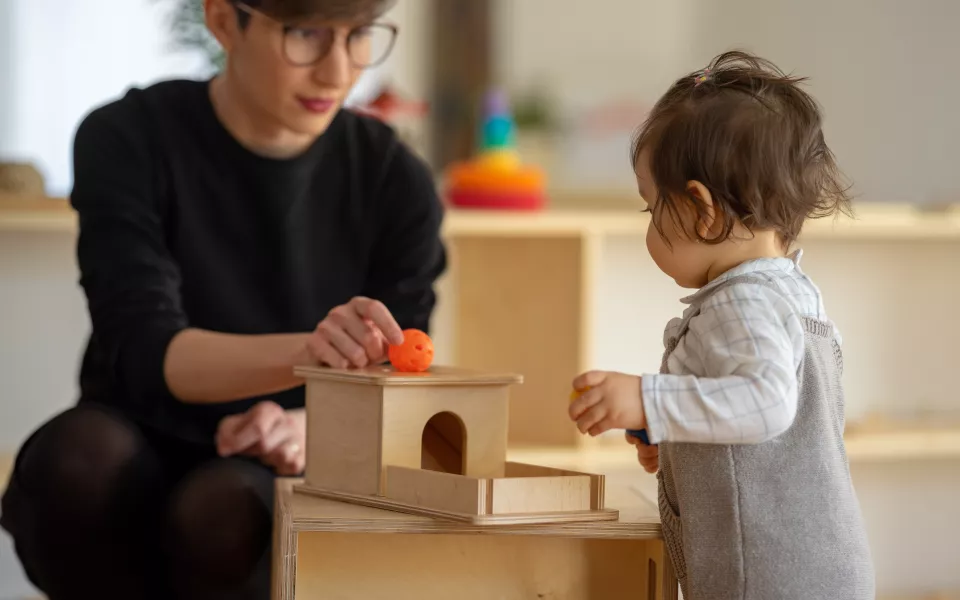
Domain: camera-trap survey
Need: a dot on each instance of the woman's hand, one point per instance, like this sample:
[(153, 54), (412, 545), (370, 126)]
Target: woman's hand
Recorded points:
[(356, 334), (648, 456), (266, 431), (611, 401)]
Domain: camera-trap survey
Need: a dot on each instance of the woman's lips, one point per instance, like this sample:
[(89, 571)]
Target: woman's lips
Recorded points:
[(316, 105)]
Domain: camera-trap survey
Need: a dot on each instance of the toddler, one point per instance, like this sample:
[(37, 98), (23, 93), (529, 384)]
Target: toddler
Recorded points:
[(755, 494)]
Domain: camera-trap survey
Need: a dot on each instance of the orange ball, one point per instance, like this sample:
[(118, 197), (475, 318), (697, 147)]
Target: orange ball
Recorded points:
[(414, 355)]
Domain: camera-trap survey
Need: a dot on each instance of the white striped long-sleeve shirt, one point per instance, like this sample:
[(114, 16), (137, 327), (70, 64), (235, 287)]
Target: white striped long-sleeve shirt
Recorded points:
[(732, 379)]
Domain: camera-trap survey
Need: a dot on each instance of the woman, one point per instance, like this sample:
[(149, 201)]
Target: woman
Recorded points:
[(229, 230)]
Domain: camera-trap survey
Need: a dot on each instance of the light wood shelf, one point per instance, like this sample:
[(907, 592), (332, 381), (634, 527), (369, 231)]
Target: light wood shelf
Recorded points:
[(875, 440), (887, 439), (872, 221), (20, 214)]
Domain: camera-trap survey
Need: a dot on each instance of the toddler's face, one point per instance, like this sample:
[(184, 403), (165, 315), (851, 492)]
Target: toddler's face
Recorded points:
[(684, 259)]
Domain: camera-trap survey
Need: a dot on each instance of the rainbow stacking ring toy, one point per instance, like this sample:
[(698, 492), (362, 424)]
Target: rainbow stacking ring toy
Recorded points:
[(496, 178)]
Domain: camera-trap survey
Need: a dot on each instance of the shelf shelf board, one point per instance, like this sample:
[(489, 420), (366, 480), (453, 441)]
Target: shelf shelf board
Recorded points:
[(875, 221), (871, 222), (872, 441), (31, 214), (890, 440)]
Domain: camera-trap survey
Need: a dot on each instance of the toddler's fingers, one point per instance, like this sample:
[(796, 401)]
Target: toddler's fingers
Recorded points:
[(645, 451), (586, 400), (601, 427), (591, 418), (648, 457), (588, 380)]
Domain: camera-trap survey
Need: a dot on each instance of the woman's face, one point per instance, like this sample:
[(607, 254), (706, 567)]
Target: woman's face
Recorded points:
[(299, 98)]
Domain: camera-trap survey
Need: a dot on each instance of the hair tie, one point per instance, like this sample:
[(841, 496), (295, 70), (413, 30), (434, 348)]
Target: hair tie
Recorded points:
[(701, 76)]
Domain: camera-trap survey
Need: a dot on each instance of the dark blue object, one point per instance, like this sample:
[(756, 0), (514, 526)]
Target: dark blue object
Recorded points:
[(640, 433)]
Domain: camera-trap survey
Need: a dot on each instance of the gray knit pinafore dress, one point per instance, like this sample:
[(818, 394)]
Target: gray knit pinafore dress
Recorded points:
[(777, 520)]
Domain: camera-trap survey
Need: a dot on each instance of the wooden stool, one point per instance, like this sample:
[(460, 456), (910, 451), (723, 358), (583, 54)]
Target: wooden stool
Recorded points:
[(329, 549)]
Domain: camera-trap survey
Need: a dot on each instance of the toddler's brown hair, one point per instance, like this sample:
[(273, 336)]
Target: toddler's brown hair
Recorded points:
[(746, 131)]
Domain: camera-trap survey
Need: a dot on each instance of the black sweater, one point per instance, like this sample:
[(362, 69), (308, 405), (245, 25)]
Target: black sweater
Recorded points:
[(181, 226)]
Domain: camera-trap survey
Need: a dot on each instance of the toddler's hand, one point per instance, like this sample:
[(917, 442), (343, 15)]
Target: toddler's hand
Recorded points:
[(648, 456), (611, 401)]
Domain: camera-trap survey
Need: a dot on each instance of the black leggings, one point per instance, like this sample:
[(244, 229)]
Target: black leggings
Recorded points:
[(100, 508)]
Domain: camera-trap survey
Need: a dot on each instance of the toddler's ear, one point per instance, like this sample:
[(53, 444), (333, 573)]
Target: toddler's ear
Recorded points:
[(707, 218)]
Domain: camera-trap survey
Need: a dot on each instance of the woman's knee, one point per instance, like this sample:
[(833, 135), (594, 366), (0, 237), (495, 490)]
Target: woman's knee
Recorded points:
[(85, 463), (220, 523)]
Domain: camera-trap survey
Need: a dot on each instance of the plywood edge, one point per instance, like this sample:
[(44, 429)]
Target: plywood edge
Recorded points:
[(436, 490), (486, 520), (386, 376), (284, 571)]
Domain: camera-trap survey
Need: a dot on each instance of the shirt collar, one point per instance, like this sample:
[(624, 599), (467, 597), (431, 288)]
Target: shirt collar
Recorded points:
[(756, 265)]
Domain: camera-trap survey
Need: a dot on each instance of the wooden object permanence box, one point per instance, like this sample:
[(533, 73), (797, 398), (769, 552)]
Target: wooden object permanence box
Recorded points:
[(432, 444)]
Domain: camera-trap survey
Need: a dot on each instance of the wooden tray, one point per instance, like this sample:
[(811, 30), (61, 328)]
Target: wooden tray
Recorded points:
[(527, 494)]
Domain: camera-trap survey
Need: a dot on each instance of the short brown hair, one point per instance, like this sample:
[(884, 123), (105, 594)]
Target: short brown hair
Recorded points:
[(753, 138), (328, 9)]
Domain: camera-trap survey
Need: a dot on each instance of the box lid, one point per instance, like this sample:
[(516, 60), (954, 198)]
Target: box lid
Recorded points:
[(386, 375)]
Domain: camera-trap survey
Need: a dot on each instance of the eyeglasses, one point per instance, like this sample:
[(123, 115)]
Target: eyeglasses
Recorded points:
[(367, 45)]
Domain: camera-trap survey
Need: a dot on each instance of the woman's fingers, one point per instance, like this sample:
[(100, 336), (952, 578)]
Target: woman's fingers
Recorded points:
[(261, 420), (335, 330), (227, 431), (364, 339), (355, 334), (380, 316), (283, 433), (324, 353), (289, 459)]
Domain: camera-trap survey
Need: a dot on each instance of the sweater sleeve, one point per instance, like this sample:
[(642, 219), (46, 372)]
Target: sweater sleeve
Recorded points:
[(409, 255), (742, 353), (130, 280)]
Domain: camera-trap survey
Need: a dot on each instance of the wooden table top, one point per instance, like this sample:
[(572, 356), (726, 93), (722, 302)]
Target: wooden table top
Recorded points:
[(639, 518)]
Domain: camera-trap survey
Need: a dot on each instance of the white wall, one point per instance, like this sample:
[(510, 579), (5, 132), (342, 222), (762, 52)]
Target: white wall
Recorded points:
[(7, 101), (68, 57), (883, 69)]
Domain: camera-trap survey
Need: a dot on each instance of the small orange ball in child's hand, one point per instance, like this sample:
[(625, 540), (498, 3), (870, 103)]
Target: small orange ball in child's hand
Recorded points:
[(414, 355)]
